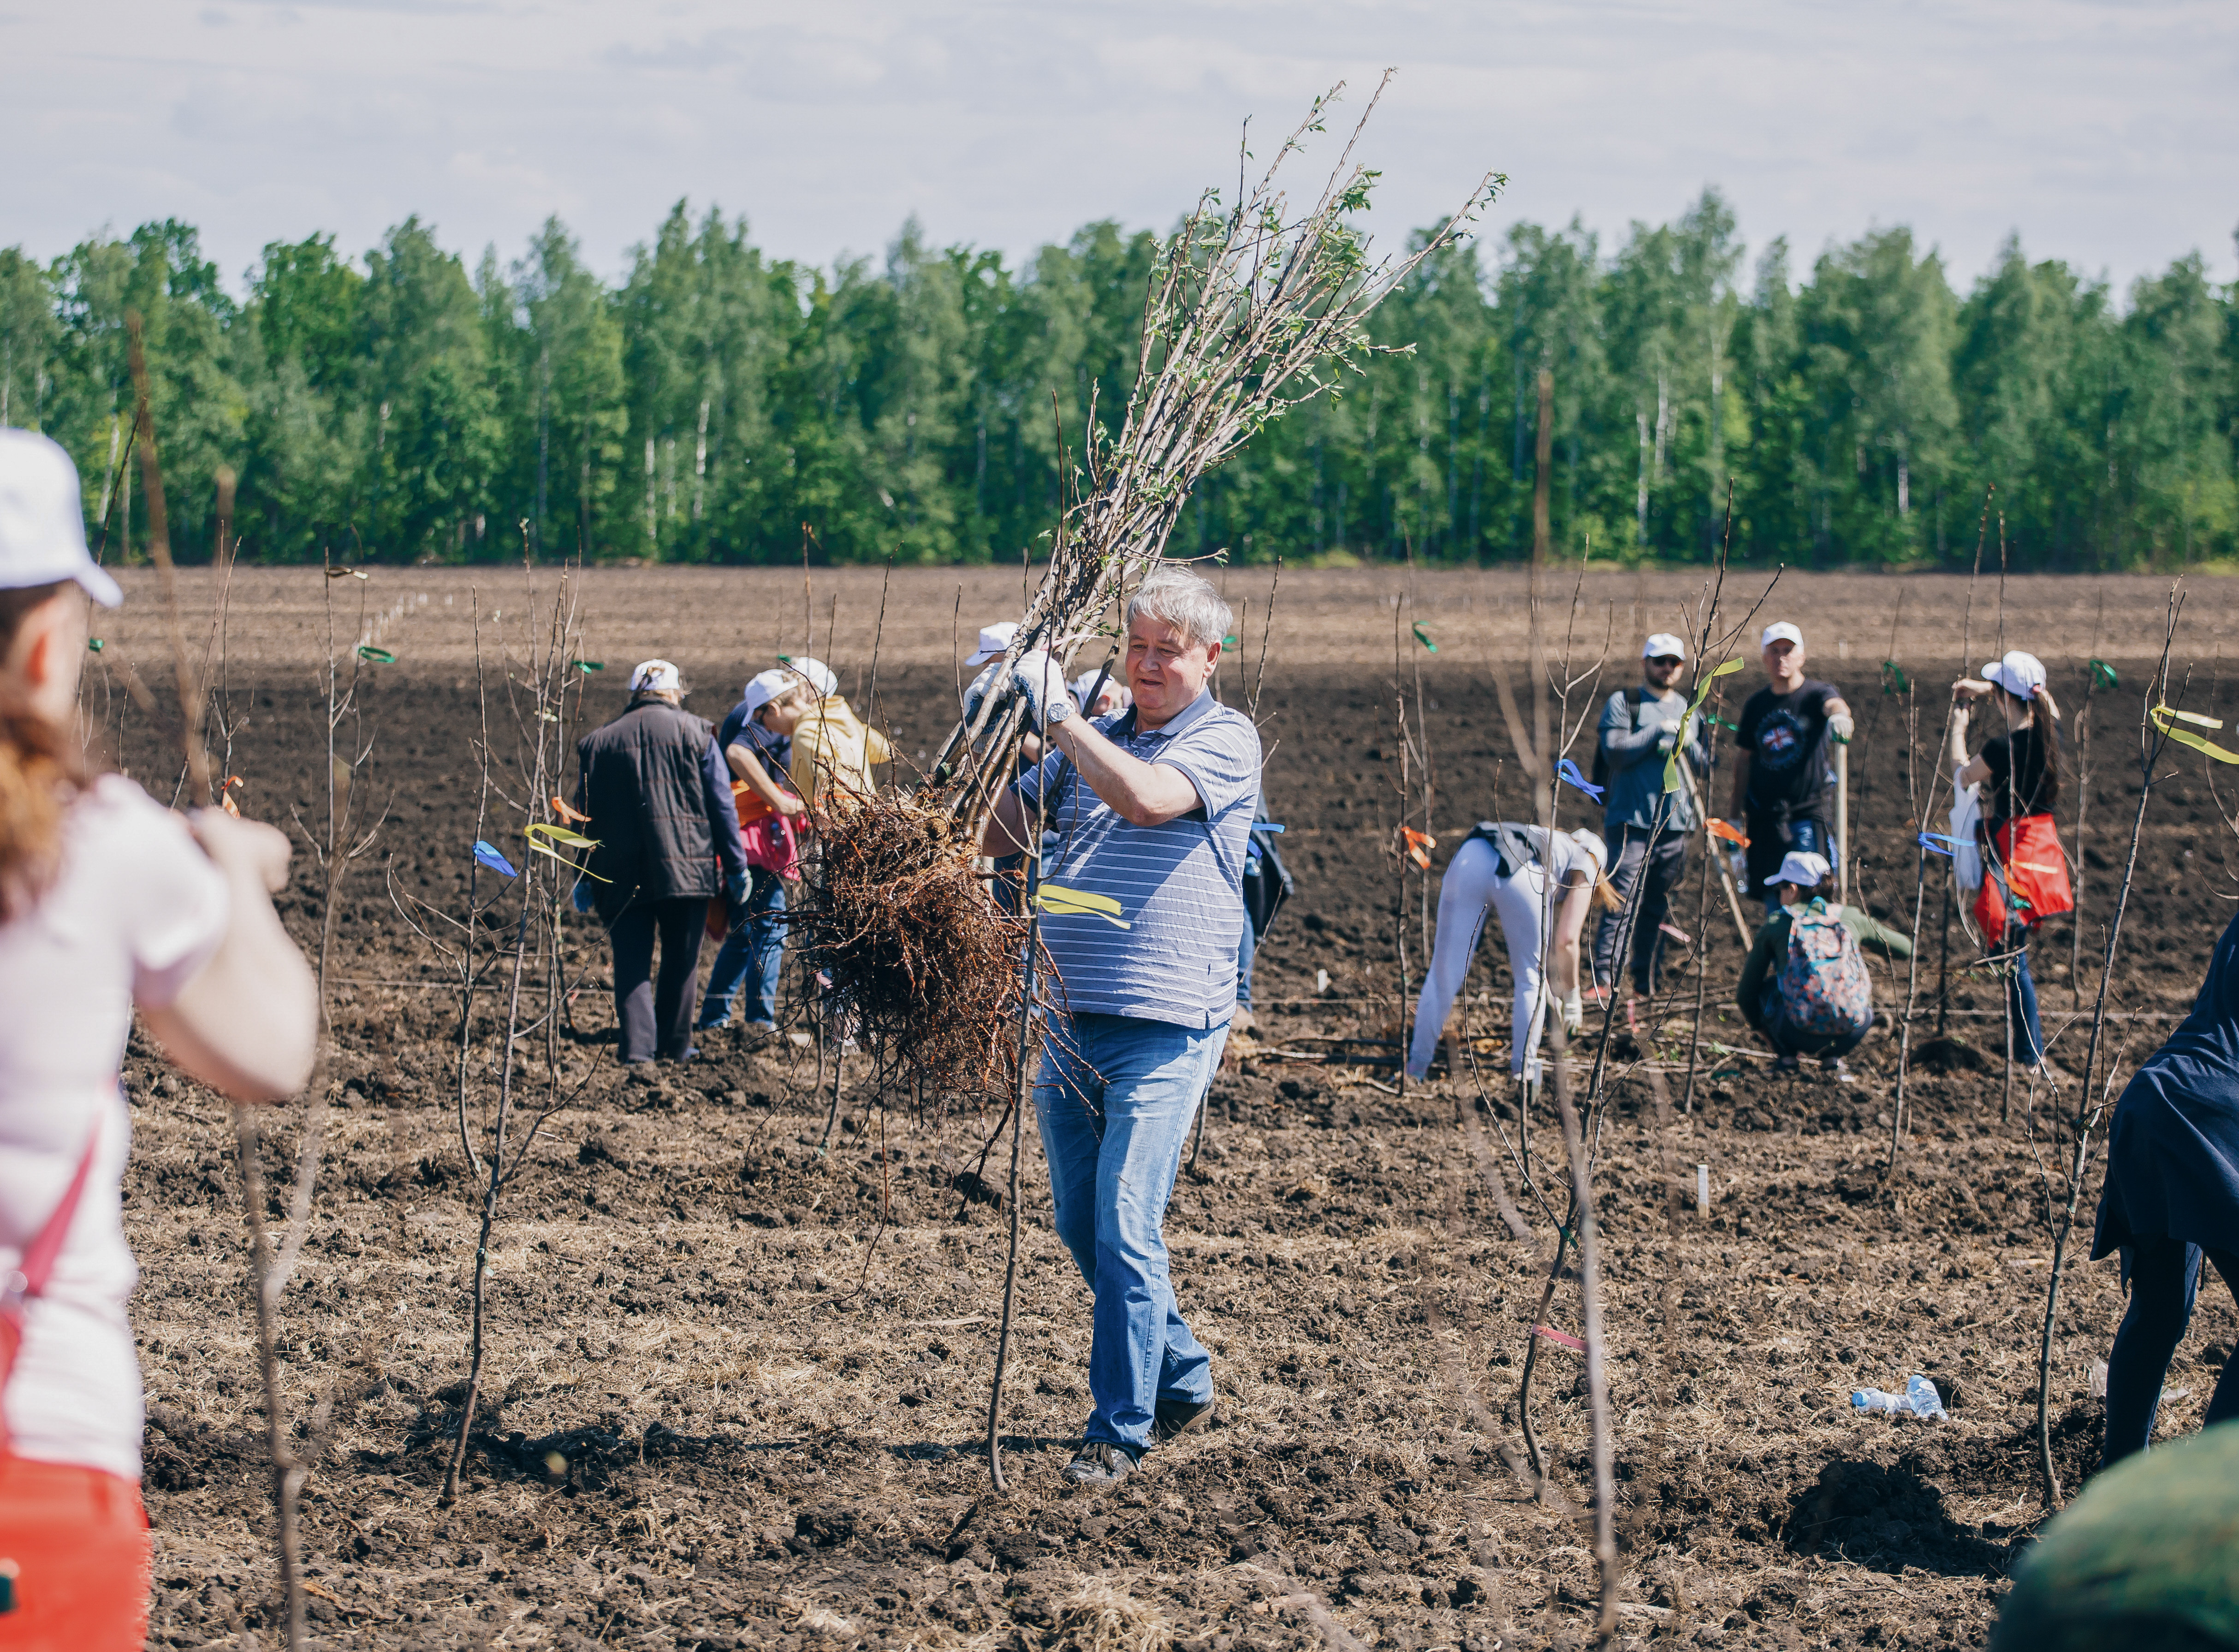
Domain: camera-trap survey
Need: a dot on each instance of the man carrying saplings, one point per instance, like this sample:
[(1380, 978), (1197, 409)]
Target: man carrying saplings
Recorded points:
[(1142, 910)]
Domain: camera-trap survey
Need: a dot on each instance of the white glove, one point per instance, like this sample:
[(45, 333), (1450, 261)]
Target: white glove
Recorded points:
[(1039, 679), (982, 686), (1667, 742), (1842, 727), (1574, 1013)]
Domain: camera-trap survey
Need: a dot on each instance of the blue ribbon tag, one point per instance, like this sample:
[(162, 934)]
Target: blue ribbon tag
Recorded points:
[(493, 859), (1265, 826), (1568, 772), (1934, 843)]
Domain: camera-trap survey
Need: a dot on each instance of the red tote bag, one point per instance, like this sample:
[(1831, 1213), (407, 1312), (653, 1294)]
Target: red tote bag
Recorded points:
[(2025, 879)]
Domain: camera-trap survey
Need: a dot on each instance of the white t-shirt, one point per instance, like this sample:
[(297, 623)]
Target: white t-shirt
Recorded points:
[(134, 911)]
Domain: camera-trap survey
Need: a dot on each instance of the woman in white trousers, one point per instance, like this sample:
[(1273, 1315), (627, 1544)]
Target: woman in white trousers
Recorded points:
[(1505, 869)]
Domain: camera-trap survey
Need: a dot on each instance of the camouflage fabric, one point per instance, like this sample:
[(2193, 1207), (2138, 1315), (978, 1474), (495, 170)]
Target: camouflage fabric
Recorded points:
[(2147, 1559)]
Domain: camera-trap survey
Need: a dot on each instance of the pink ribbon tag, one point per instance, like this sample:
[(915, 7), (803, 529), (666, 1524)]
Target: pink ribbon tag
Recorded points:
[(1561, 1339)]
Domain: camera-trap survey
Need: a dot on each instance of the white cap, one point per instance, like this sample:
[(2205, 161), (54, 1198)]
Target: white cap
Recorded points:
[(1802, 868), (656, 677), (1780, 631), (1114, 686), (1592, 844), (817, 675), (766, 686), (1664, 645), (2020, 674), (993, 639), (42, 520)]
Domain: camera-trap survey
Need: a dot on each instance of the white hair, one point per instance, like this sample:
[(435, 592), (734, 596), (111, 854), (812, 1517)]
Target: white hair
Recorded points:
[(1183, 601)]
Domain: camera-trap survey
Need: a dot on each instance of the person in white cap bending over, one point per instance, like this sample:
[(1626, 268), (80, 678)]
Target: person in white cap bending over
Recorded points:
[(1785, 743), (1641, 727), (109, 902), (2021, 767), (1805, 987), (1506, 868), (756, 739), (659, 795)]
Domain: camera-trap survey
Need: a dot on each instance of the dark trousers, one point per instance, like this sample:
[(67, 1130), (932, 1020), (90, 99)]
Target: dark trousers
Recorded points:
[(2164, 1280), (1770, 839), (657, 1020), (1658, 873)]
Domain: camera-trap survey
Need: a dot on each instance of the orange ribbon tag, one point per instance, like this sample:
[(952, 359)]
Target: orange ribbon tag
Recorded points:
[(568, 814), (1419, 845), (1720, 829)]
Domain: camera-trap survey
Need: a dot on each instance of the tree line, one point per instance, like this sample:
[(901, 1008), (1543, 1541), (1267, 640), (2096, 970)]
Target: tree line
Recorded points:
[(718, 405)]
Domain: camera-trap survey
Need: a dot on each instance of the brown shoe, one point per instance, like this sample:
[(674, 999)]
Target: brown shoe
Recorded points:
[(1172, 1418)]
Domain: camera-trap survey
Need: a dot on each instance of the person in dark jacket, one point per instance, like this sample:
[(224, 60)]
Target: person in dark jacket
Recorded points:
[(2171, 1198), (658, 792)]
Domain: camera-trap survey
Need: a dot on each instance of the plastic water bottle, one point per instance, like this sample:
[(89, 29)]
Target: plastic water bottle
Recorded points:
[(1919, 1399)]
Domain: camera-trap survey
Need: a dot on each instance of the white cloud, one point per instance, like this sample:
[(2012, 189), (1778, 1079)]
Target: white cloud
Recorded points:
[(2104, 133)]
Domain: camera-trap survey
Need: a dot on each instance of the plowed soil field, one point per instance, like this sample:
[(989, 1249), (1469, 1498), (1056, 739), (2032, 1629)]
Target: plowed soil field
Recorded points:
[(741, 1384)]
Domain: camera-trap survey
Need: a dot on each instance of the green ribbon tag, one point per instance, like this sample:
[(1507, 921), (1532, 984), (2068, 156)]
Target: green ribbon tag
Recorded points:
[(1228, 642), (1701, 692), (1424, 637), (93, 643), (1893, 679), (2103, 674), (586, 667), (379, 656)]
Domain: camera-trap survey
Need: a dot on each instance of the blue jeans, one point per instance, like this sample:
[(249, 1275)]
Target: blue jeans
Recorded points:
[(2021, 997), (1247, 948), (1115, 1099), (754, 952)]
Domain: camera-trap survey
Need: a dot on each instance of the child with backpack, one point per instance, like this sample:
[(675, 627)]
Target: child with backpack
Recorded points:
[(1805, 988)]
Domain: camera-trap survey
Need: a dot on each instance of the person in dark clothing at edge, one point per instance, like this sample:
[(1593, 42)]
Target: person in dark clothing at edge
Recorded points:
[(2171, 1197), (1640, 728), (1783, 761), (2019, 773), (658, 794)]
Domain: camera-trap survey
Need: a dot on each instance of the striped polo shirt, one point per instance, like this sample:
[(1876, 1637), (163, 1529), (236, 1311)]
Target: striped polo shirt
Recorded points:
[(1180, 885)]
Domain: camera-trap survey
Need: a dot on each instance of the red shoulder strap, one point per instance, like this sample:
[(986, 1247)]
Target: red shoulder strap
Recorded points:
[(39, 1256)]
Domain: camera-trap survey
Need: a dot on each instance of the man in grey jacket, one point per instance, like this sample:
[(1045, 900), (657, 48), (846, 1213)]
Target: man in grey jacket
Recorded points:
[(659, 796), (1640, 728)]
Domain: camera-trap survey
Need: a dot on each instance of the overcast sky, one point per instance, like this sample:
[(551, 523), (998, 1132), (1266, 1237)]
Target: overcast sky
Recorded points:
[(2104, 133)]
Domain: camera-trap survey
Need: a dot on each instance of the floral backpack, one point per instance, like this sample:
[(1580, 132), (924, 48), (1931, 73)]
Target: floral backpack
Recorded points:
[(1825, 988)]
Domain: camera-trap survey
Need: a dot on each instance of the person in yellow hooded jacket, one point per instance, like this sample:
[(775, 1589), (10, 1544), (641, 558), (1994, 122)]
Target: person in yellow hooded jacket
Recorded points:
[(831, 747)]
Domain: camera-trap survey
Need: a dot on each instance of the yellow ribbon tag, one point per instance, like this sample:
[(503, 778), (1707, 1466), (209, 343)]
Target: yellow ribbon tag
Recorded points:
[(538, 833), (2163, 716), (1062, 902), (536, 847), (1701, 692)]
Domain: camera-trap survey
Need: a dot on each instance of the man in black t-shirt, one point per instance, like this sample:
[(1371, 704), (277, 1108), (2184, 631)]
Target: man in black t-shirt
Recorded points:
[(1785, 761)]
